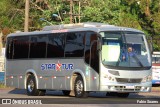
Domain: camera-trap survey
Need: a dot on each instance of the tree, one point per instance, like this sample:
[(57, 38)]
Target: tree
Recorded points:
[(9, 17), (129, 14), (140, 14), (144, 15), (105, 11)]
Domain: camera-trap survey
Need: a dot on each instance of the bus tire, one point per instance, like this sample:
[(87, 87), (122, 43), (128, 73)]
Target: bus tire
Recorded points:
[(123, 95), (32, 88), (79, 88)]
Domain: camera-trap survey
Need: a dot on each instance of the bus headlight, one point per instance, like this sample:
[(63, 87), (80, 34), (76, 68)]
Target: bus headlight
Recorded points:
[(144, 79), (147, 78), (110, 78)]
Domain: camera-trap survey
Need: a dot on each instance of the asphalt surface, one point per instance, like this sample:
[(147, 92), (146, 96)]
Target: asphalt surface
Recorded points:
[(17, 97)]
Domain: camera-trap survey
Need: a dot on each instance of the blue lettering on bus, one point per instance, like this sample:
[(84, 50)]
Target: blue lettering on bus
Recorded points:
[(57, 67), (48, 66), (67, 66)]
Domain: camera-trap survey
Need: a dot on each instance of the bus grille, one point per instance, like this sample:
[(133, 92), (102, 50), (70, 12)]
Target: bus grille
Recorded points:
[(128, 80)]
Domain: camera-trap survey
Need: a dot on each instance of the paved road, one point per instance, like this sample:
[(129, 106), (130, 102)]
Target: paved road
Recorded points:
[(94, 99)]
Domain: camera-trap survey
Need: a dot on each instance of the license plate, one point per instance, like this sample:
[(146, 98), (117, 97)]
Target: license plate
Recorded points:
[(130, 87)]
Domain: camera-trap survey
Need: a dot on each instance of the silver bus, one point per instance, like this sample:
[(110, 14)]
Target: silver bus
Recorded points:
[(78, 59)]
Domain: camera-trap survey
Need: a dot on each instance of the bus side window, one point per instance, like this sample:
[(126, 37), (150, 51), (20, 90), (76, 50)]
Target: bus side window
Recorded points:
[(55, 46), (91, 38), (87, 47), (9, 52), (38, 45), (94, 54), (20, 47), (74, 44)]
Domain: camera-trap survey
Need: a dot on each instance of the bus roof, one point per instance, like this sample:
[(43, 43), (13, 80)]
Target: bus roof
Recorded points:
[(91, 25), (88, 26)]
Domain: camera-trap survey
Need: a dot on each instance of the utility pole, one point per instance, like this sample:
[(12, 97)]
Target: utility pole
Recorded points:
[(71, 11), (26, 23), (79, 13)]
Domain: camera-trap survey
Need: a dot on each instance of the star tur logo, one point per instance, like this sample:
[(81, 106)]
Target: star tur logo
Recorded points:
[(57, 66)]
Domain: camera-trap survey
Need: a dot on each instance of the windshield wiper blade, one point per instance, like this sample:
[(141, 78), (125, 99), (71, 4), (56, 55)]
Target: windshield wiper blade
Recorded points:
[(137, 60)]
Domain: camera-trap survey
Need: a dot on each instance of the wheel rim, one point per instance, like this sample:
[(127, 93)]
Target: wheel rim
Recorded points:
[(30, 86), (79, 87)]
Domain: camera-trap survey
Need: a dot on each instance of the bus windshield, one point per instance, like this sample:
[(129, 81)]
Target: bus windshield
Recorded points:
[(125, 50), (156, 58)]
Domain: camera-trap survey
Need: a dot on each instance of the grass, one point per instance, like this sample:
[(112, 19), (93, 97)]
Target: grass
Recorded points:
[(2, 85)]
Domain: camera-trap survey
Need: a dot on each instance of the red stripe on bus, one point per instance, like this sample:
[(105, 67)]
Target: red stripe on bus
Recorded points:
[(156, 64)]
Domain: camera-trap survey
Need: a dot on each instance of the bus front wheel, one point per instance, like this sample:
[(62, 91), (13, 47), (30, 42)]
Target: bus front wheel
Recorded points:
[(79, 88), (32, 88)]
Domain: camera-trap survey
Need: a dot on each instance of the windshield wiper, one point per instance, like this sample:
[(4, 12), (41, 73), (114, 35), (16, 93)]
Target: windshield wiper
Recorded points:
[(137, 60)]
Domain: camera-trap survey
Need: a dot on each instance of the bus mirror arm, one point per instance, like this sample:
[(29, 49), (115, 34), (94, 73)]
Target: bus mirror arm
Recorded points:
[(99, 45)]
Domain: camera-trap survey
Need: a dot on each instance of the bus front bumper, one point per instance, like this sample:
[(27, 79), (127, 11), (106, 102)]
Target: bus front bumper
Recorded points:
[(144, 87)]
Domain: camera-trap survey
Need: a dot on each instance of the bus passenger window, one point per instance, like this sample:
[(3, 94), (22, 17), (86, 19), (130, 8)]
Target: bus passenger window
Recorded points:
[(55, 46), (38, 45), (91, 43), (20, 47), (74, 44)]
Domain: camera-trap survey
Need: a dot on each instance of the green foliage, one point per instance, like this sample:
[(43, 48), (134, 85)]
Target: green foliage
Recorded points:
[(105, 11), (2, 85), (3, 6), (140, 14)]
